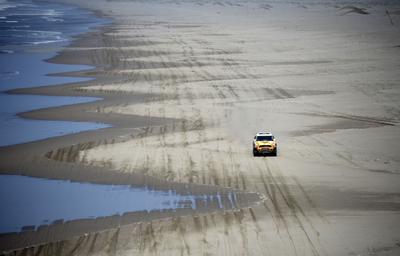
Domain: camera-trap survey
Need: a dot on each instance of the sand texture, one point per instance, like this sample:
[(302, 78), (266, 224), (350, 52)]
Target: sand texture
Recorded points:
[(187, 84)]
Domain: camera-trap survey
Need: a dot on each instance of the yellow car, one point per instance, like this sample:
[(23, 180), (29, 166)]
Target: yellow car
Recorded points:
[(264, 143)]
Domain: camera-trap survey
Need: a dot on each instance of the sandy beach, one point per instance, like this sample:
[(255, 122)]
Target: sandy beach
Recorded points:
[(186, 85)]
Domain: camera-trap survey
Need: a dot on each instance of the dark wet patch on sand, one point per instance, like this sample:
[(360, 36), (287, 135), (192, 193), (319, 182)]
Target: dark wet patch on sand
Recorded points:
[(301, 62), (216, 34), (342, 122), (353, 9), (184, 26), (276, 93), (336, 199), (384, 171)]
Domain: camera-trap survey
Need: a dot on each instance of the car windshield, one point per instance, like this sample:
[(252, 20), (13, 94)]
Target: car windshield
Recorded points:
[(265, 138)]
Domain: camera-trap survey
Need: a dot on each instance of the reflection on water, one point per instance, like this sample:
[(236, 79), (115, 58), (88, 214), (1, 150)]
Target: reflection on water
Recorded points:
[(28, 201)]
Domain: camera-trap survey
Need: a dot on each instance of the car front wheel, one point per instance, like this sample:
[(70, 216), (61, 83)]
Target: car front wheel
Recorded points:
[(255, 153)]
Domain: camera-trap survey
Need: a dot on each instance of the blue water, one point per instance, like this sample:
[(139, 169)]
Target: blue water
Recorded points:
[(30, 33), (25, 69), (15, 130), (34, 201), (39, 22)]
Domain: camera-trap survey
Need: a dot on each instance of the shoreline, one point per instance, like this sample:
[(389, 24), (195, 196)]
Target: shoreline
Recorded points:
[(203, 80), (51, 158), (27, 60)]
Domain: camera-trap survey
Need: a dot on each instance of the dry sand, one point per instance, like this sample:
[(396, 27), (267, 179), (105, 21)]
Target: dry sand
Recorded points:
[(188, 84)]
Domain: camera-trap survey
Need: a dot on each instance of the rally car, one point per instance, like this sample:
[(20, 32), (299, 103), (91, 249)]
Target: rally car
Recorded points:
[(264, 143)]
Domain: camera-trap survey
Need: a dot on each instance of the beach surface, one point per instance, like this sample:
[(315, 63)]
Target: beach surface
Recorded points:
[(185, 86)]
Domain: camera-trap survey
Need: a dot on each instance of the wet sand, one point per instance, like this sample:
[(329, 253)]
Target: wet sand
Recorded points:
[(187, 85)]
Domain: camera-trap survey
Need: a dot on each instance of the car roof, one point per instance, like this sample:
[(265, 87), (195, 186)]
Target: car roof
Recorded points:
[(264, 133)]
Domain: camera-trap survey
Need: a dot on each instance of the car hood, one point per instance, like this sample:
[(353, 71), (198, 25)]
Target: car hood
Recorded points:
[(261, 143)]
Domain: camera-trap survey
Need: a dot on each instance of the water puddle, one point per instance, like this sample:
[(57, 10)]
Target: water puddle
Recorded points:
[(26, 69), (31, 202), (15, 130)]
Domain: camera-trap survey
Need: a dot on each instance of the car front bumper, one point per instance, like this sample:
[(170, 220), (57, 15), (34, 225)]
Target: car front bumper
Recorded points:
[(265, 150)]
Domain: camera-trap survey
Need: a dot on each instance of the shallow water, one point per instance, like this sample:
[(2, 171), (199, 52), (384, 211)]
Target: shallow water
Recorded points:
[(27, 69), (25, 22), (14, 130), (30, 33), (34, 201)]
